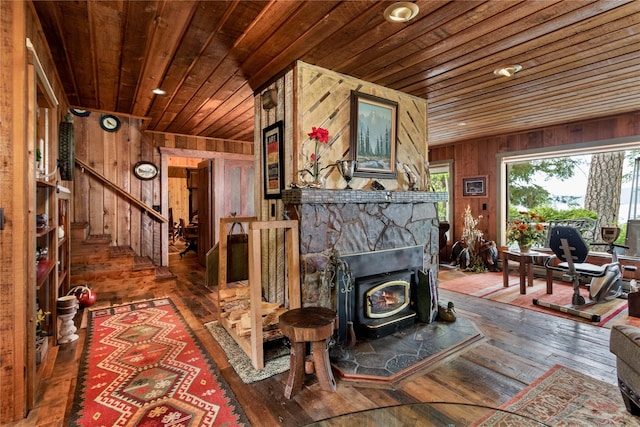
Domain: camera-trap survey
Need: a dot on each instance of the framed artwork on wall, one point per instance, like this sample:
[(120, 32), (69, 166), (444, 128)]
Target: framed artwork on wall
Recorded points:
[(476, 186), (373, 135), (273, 160)]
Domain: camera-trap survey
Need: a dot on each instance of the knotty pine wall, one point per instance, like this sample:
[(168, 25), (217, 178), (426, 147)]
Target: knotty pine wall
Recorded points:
[(114, 154), (478, 158)]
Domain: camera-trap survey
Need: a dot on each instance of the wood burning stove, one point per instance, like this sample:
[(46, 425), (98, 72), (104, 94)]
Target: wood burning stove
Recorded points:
[(383, 303), (374, 290)]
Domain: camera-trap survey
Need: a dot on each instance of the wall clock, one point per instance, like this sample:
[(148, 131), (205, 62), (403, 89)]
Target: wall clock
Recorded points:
[(109, 122), (80, 113), (145, 170)]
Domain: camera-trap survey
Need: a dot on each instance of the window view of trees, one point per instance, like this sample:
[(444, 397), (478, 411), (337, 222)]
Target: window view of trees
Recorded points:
[(578, 186), (440, 178)]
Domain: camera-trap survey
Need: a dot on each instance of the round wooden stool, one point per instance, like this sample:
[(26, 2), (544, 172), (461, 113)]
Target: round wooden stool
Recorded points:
[(314, 325)]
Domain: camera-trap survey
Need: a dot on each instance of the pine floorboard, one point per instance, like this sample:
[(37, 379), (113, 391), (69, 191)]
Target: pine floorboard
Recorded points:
[(519, 346)]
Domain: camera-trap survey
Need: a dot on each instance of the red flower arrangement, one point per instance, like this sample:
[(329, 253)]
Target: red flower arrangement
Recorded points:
[(320, 135), (526, 229)]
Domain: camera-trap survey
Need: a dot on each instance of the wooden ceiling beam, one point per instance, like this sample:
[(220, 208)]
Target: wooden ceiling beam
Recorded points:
[(162, 40), (180, 80)]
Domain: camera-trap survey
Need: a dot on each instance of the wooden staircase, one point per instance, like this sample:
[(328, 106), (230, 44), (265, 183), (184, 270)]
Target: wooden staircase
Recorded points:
[(103, 267)]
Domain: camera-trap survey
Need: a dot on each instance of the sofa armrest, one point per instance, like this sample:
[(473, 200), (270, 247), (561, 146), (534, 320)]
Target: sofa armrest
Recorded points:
[(625, 343)]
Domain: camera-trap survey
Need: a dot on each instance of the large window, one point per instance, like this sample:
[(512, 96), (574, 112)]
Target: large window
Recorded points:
[(591, 180)]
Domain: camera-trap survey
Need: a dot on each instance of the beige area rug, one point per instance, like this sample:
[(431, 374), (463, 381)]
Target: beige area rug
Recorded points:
[(276, 356), (564, 397)]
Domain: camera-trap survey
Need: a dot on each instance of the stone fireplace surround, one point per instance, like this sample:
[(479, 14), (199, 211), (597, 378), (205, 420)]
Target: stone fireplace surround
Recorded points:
[(358, 221)]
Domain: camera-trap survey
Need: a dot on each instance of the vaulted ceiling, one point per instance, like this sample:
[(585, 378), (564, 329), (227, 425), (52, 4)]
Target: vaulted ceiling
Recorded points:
[(580, 59)]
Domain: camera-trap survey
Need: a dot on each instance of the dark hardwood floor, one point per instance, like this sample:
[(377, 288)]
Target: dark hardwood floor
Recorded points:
[(518, 347)]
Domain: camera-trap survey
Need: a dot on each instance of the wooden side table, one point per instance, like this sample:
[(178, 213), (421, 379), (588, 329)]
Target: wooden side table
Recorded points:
[(314, 325), (526, 261)]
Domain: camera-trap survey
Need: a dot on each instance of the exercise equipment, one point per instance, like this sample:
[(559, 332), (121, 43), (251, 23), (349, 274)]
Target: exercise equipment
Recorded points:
[(605, 280)]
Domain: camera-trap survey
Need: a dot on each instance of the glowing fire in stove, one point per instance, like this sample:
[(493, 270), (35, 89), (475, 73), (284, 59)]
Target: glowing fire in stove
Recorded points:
[(387, 299)]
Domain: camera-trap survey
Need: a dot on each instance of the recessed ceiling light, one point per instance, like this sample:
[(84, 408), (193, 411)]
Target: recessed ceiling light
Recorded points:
[(159, 91), (507, 71), (401, 12)]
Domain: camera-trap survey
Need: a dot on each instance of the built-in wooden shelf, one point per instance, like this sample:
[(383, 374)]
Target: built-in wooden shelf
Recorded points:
[(43, 231), (43, 183), (43, 268), (61, 276)]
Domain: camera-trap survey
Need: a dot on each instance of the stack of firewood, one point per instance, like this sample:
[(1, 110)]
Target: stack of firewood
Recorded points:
[(236, 311)]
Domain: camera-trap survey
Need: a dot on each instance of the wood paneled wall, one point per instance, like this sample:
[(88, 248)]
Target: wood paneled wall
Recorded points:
[(479, 158), (17, 180), (13, 245)]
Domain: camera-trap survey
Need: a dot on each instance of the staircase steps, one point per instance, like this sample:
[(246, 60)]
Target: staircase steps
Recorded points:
[(98, 238), (83, 253), (79, 231), (121, 251), (164, 274), (142, 263), (106, 268)]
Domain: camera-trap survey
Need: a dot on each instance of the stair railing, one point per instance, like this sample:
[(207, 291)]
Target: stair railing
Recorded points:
[(124, 193)]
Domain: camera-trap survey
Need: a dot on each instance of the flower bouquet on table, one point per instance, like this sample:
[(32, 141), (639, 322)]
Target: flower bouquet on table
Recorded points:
[(310, 175), (526, 230)]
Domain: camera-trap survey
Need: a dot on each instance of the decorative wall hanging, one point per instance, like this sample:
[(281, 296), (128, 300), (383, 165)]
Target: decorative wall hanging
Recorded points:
[(273, 160), (66, 149), (476, 186), (145, 170), (373, 135), (80, 113), (109, 122)]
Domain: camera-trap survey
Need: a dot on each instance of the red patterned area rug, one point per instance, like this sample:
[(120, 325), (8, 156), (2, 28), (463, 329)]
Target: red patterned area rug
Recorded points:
[(491, 286), (564, 397), (143, 366)]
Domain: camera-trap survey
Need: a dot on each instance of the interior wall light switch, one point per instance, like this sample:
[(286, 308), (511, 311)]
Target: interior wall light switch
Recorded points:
[(484, 206), (273, 210)]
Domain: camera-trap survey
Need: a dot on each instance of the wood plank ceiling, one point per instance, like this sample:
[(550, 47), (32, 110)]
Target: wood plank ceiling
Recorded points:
[(580, 59)]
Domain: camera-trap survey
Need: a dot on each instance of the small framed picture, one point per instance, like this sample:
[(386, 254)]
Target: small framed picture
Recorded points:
[(476, 186), (272, 146)]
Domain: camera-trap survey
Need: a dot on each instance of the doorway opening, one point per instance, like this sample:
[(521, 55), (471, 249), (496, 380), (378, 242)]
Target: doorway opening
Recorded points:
[(215, 185)]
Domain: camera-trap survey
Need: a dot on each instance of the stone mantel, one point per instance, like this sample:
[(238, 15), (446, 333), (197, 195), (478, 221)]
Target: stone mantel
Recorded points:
[(298, 196), (359, 221)]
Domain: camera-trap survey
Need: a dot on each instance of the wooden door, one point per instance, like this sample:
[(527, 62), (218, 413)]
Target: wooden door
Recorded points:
[(206, 211)]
